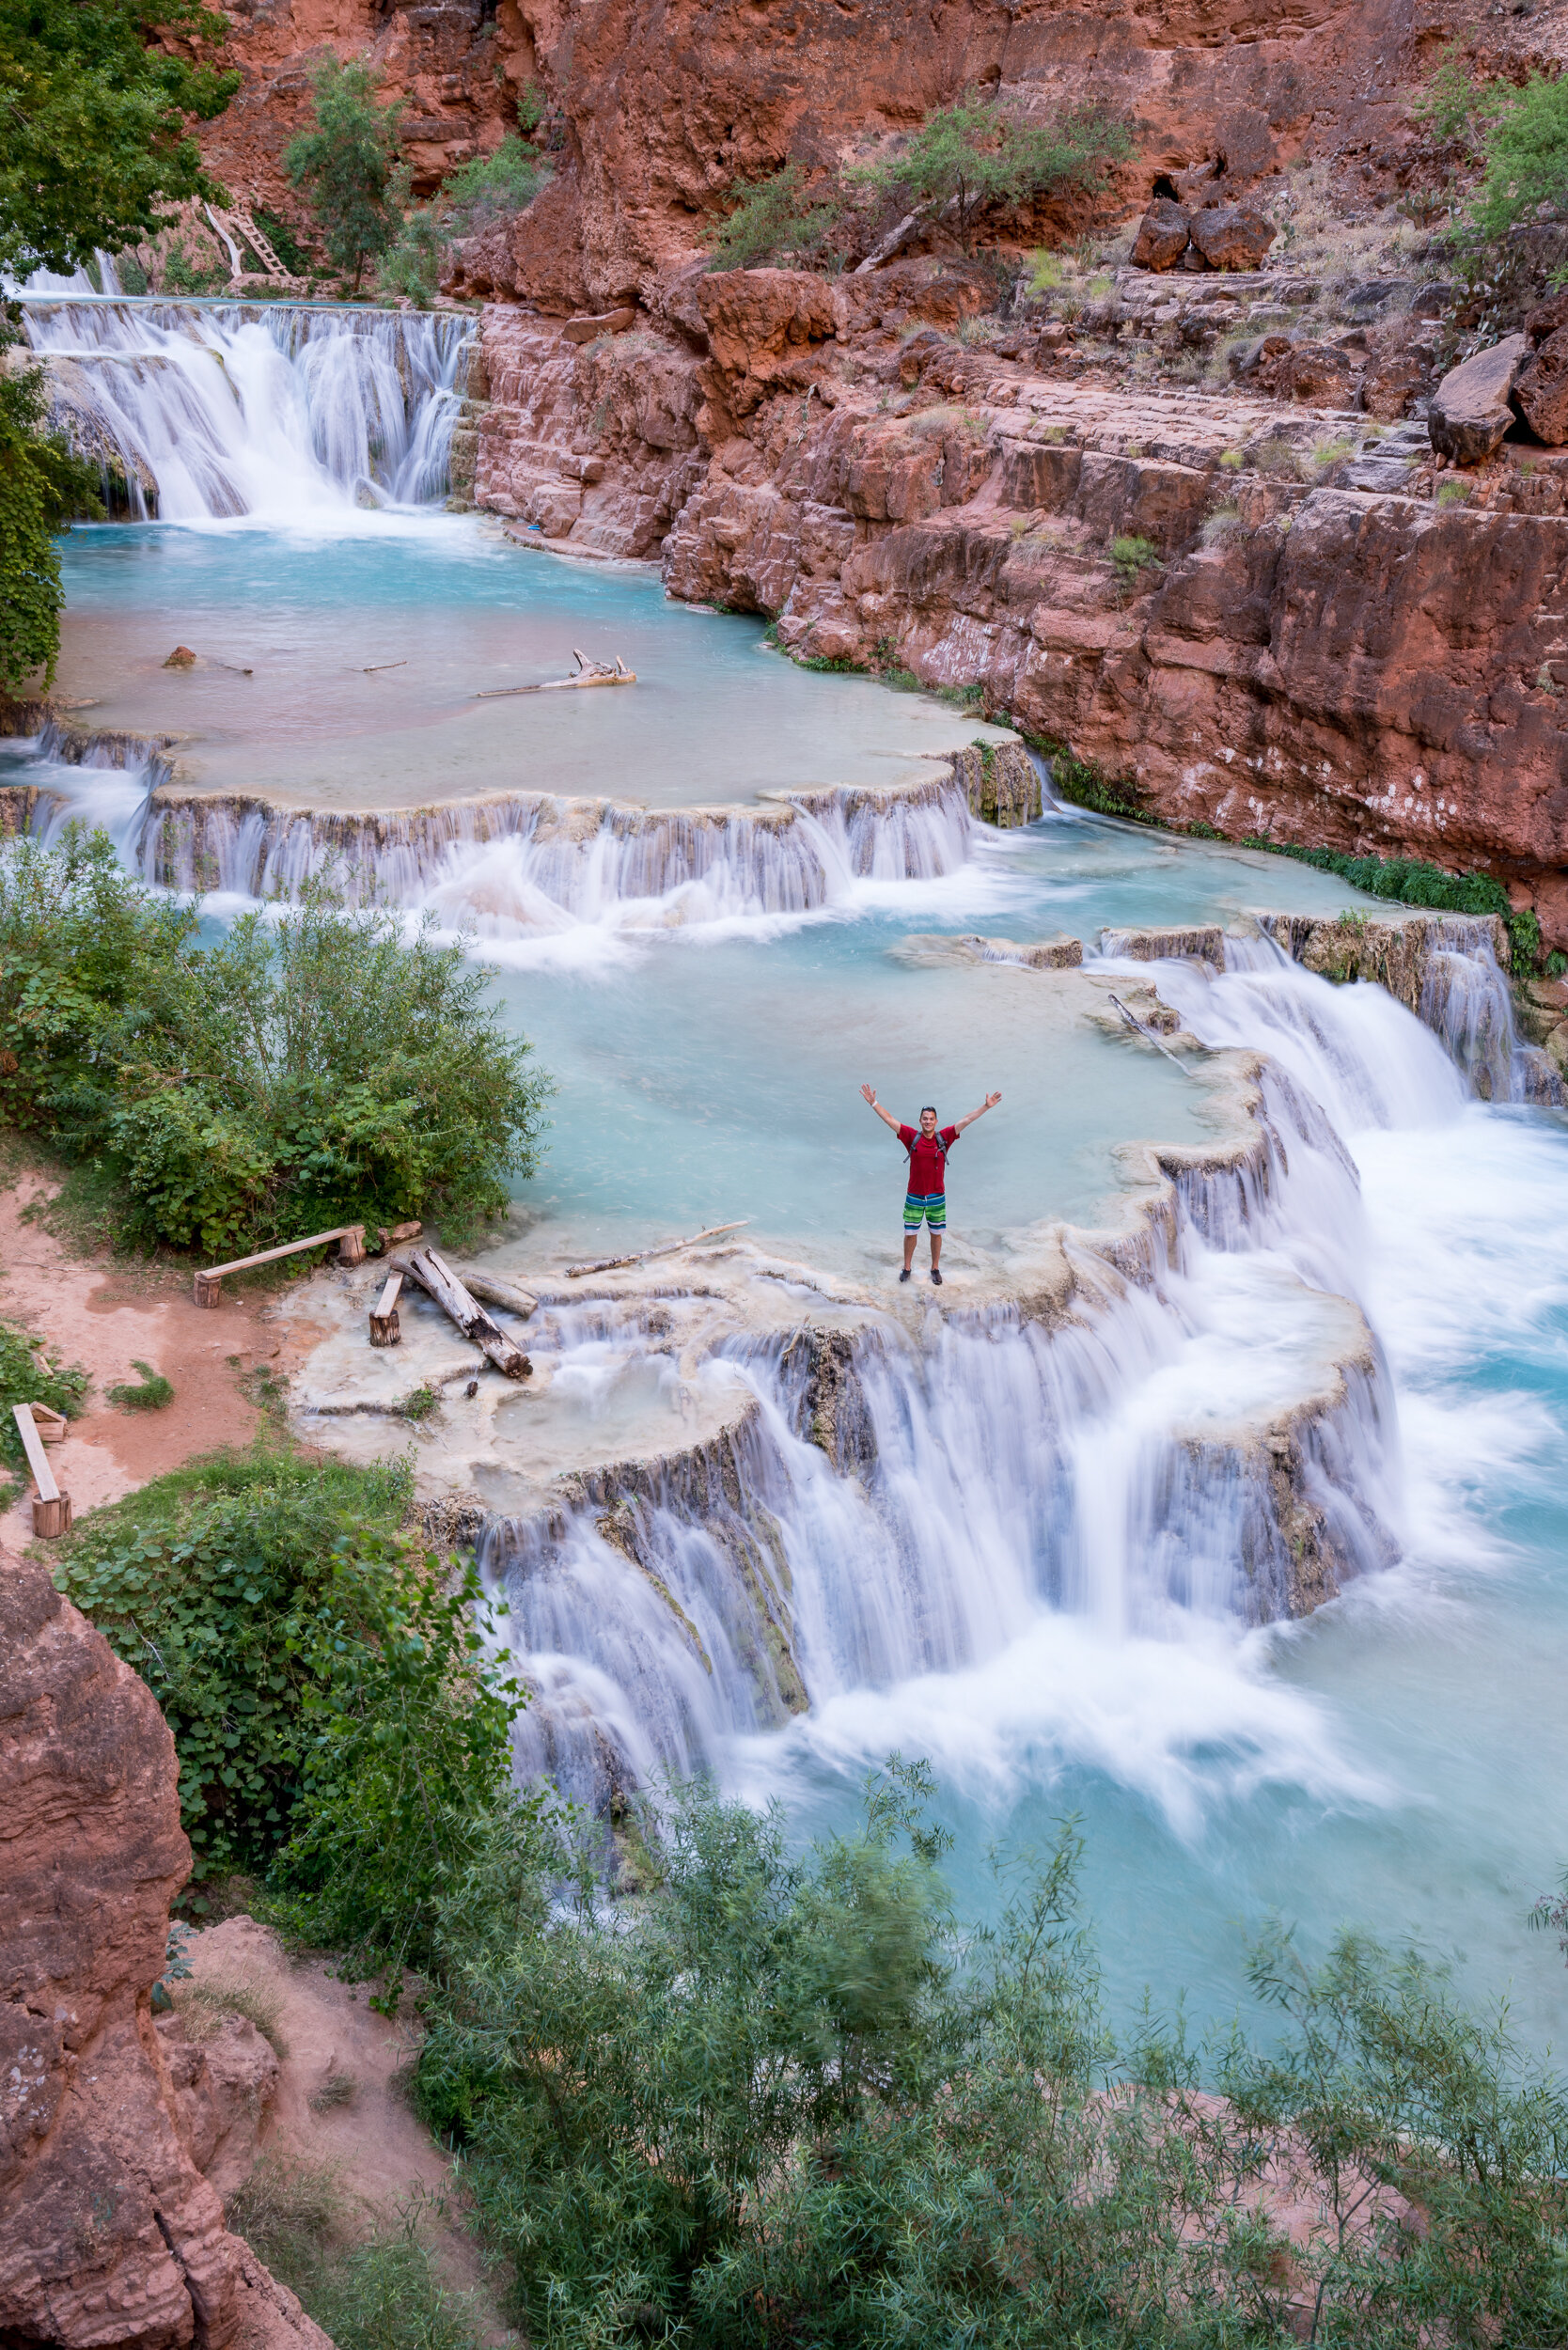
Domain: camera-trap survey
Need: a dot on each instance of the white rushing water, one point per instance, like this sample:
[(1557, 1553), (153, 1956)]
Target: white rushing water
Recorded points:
[(275, 411), (1132, 1485)]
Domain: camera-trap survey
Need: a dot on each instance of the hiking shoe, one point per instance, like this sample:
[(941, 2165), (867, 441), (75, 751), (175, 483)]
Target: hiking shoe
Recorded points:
[(904, 1275), (936, 1274)]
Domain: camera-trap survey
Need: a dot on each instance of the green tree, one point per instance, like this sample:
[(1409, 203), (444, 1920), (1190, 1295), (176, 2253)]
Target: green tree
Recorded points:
[(1525, 157), (97, 118), (345, 165), (42, 486), (972, 157), (492, 187)]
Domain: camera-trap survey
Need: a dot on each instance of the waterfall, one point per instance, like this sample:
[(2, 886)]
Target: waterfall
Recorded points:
[(527, 865), (1213, 1445), (276, 410)]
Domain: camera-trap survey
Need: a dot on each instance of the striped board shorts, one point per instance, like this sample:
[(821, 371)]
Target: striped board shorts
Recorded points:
[(934, 1208)]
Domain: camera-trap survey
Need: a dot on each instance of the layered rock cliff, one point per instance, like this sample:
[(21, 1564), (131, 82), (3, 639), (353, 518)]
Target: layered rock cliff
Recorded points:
[(1270, 618), (109, 2233), (653, 114)]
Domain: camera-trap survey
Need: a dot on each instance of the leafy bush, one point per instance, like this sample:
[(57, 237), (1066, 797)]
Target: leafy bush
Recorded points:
[(773, 220), (1455, 107), (344, 163), (972, 157), (1131, 558), (321, 1676), (311, 1069), (1414, 882), (30, 1373), (1524, 155), (492, 187)]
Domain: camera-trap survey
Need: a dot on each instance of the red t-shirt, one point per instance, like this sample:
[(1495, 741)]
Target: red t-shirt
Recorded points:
[(928, 1159)]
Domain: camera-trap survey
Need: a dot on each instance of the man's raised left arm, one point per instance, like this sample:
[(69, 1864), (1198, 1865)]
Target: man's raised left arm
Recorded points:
[(989, 1103)]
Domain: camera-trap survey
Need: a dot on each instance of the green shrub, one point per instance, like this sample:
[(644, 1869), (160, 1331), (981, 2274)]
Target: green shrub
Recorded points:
[(337, 1725), (151, 1392), (42, 486), (1453, 493), (773, 220), (1455, 107), (492, 187), (1131, 558), (1079, 781), (1525, 157), (973, 157), (315, 1069), (380, 2294)]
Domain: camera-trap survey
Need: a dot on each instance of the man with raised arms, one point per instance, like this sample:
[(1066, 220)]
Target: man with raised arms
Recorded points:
[(926, 1198)]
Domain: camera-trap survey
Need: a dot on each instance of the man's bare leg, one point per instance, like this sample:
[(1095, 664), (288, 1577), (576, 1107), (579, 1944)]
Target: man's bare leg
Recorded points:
[(936, 1251), (909, 1240)]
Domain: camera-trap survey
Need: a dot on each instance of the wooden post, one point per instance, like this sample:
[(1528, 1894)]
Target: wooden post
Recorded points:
[(351, 1248), (207, 1289), (385, 1329), (50, 1508)]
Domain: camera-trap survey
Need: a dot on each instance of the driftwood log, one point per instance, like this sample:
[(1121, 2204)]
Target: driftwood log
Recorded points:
[(506, 1294), (438, 1279), (663, 1248), (587, 673)]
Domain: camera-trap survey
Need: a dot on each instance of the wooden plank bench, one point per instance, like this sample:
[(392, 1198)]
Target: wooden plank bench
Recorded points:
[(208, 1287), (50, 1508)]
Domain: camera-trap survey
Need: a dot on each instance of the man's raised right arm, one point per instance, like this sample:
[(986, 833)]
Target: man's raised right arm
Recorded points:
[(869, 1094)]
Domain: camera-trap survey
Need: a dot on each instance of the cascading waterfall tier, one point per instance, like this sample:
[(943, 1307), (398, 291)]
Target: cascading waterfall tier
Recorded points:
[(201, 411), (528, 863)]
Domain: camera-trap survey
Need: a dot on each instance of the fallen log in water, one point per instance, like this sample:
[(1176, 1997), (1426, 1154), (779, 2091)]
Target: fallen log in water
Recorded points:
[(663, 1248), (438, 1279), (587, 673)]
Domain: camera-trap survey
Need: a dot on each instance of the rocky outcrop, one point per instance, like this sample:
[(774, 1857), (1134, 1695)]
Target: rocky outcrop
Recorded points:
[(109, 2233), (1313, 648)]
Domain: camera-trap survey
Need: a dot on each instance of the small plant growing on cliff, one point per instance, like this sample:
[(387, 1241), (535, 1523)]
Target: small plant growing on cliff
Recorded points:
[(1453, 493), (1131, 558), (973, 157), (345, 163), (774, 219)]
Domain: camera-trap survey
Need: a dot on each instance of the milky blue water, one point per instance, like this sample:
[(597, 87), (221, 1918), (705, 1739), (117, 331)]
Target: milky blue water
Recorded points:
[(339, 663), (1401, 1760)]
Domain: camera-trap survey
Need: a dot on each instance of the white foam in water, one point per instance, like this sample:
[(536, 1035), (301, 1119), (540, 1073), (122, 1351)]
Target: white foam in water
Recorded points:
[(1058, 1552), (277, 412)]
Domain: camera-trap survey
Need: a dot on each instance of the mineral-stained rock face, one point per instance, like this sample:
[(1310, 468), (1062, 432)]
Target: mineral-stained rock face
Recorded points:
[(109, 2235), (1231, 236), (1542, 390)]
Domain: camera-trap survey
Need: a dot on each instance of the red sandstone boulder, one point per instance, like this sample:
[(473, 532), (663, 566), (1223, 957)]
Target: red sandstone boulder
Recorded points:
[(588, 330), (1231, 236), (1547, 316), (1395, 377), (1470, 410), (1320, 375), (1162, 237), (1541, 391), (109, 2235)]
